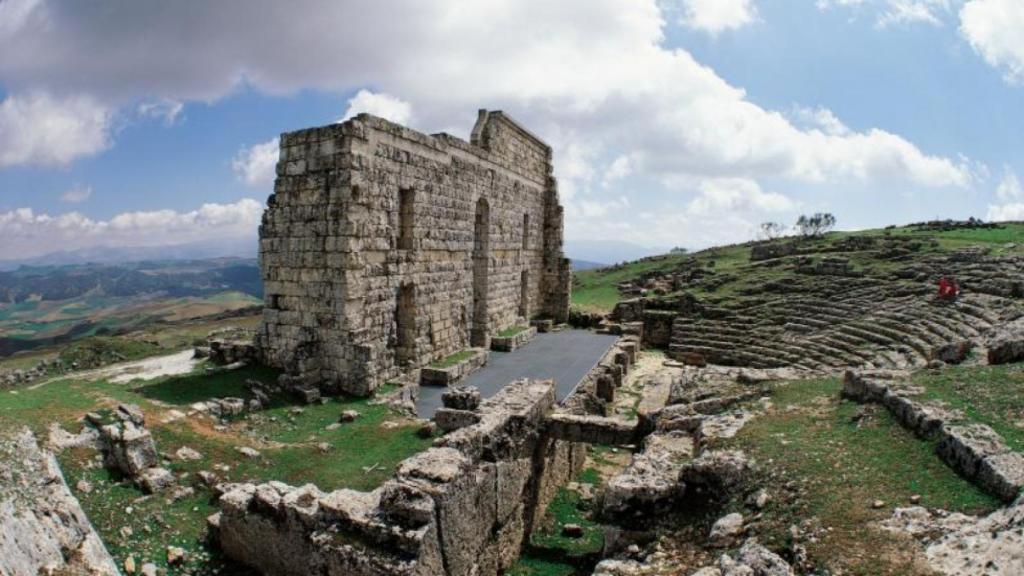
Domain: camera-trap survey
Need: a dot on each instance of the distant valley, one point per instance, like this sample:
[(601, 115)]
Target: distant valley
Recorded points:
[(42, 306)]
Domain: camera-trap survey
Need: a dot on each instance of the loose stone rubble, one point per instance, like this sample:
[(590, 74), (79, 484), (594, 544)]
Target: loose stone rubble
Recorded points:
[(129, 448), (383, 249), (43, 529)]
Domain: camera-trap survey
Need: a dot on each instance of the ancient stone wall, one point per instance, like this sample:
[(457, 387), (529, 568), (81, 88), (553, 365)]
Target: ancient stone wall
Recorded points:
[(463, 507), (383, 249)]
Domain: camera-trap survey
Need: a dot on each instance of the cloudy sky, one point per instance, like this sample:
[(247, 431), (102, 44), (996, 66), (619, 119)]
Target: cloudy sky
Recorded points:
[(674, 122)]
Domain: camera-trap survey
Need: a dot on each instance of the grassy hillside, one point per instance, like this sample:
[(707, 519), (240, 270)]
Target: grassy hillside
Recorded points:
[(735, 276), (46, 306)]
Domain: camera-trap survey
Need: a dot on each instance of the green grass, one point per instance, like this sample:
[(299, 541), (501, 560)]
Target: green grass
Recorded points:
[(992, 395), (185, 390), (568, 507), (360, 455), (510, 332), (844, 465), (453, 359), (94, 348), (531, 566)]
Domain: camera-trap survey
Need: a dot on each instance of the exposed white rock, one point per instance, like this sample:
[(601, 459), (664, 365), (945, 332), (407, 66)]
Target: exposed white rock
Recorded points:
[(42, 526)]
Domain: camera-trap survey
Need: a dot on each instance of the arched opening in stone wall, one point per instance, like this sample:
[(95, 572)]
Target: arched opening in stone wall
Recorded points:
[(406, 215), (526, 231), (405, 324), (481, 261), (524, 294)]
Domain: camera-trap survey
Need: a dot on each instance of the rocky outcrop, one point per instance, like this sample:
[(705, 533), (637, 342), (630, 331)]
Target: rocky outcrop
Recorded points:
[(752, 559), (43, 529), (961, 545), (1007, 345)]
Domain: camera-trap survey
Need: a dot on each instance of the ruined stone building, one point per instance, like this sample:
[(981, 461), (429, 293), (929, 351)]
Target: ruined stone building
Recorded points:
[(383, 249)]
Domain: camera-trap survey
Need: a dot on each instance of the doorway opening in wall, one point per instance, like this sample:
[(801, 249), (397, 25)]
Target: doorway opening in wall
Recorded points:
[(406, 214), (524, 294), (478, 335), (405, 323)]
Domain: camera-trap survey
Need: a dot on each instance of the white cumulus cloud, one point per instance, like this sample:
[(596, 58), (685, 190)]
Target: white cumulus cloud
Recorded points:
[(77, 195), (25, 233), (995, 29), (1009, 187), (599, 80), (39, 129), (384, 105), (896, 12), (1006, 212), (257, 165), (737, 195), (716, 16)]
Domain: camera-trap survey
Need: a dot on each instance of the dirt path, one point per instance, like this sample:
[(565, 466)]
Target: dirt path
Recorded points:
[(147, 369)]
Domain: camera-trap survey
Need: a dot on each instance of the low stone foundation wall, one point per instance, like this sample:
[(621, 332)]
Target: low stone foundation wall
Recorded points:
[(974, 450), (543, 325), (225, 352), (606, 376), (510, 343), (451, 375), (463, 507)]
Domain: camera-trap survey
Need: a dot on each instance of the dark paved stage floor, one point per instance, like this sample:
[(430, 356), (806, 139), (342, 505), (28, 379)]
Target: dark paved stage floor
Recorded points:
[(565, 356)]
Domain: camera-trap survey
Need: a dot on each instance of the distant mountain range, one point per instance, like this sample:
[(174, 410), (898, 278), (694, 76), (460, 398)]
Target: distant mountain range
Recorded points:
[(585, 254), (125, 255), (173, 278), (580, 265), (606, 252)]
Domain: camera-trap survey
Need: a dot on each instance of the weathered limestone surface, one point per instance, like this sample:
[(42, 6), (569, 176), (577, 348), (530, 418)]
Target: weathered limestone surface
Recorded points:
[(650, 484), (42, 526), (460, 508), (961, 545), (383, 249)]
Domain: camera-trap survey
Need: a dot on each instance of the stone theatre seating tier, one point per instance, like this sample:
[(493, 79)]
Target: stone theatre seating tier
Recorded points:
[(383, 249)]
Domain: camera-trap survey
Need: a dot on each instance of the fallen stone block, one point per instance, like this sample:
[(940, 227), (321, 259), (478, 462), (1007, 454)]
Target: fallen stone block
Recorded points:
[(1002, 475), (717, 473), (461, 398), (952, 352), (964, 447), (450, 419), (591, 429), (651, 483)]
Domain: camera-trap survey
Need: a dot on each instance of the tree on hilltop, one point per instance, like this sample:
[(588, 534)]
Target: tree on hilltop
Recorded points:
[(772, 230), (816, 225)]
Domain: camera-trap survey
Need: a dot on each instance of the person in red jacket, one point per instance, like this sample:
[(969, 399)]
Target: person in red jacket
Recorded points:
[(948, 289)]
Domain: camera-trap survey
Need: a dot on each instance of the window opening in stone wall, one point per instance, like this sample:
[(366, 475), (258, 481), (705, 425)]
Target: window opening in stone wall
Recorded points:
[(405, 321), (406, 199), (481, 261), (526, 231), (524, 294)]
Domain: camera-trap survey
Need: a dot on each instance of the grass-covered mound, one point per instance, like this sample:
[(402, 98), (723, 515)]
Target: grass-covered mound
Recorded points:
[(736, 276)]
